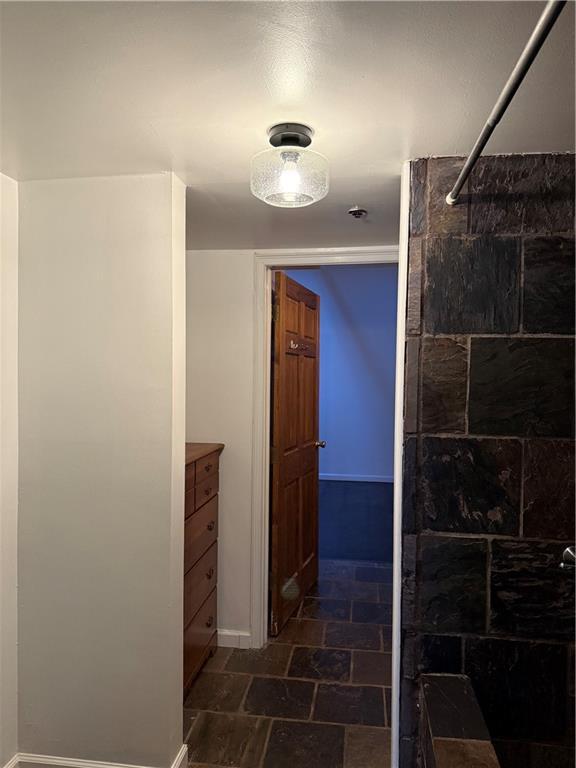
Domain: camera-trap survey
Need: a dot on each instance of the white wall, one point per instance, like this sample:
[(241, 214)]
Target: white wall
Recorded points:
[(220, 290), (357, 368), (101, 503), (8, 467)]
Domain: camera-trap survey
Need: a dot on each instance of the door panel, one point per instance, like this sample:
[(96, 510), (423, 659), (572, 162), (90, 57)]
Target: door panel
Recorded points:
[(309, 522), (292, 316), (290, 402), (309, 417), (294, 455), (292, 518), (309, 323)]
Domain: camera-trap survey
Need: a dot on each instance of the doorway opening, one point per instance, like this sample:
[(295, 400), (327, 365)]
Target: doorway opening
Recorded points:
[(333, 352)]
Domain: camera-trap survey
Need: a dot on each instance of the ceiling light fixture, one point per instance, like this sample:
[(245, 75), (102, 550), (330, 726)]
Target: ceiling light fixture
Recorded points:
[(290, 175)]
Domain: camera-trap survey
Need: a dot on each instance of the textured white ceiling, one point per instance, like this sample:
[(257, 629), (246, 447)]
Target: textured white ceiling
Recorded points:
[(111, 88)]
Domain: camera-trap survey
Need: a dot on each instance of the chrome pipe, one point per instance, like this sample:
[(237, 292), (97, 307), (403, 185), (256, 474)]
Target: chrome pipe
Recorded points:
[(541, 31)]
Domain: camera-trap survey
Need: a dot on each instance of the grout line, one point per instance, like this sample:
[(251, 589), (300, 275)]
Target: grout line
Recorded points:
[(504, 336), (387, 715), (273, 719), (420, 385), (270, 676), (521, 289), (522, 479), (489, 233), (488, 585), (478, 436), (484, 535), (189, 731), (313, 702), (328, 647), (241, 708), (290, 659), (266, 742), (467, 403)]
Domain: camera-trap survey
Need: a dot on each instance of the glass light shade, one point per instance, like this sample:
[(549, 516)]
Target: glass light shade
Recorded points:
[(289, 177)]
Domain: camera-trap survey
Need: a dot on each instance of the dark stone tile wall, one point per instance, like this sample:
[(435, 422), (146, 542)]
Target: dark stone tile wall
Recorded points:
[(471, 485), (488, 487), (521, 386), (444, 374), (452, 584), (460, 297)]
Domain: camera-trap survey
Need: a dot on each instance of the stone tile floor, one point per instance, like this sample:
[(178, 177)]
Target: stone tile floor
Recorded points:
[(318, 696)]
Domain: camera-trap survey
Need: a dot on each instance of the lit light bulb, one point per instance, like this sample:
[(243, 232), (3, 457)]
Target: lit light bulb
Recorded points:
[(289, 184)]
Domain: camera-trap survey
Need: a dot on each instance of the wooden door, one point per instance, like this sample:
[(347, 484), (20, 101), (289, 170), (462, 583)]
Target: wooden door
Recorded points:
[(294, 448)]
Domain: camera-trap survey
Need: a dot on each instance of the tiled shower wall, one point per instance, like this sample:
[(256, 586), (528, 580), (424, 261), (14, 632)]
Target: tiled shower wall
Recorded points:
[(489, 451)]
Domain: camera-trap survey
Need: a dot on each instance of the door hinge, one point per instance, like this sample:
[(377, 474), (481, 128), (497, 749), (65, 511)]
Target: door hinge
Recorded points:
[(275, 308), (273, 624)]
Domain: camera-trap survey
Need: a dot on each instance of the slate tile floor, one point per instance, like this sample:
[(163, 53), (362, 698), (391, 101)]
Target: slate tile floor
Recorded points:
[(318, 696)]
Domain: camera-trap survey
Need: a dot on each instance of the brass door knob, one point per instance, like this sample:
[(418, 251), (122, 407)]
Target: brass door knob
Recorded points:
[(320, 443)]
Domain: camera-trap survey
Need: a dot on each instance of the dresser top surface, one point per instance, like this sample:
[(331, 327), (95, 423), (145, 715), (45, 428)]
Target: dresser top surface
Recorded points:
[(195, 451)]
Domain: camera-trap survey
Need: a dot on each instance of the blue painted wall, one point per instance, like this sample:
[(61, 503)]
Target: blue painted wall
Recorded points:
[(357, 372), (357, 368)]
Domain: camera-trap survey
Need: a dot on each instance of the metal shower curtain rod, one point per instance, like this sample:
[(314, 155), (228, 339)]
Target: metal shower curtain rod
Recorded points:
[(541, 31)]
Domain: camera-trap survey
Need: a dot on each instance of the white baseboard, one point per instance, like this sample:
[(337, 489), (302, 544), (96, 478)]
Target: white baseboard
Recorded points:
[(232, 638), (359, 478), (43, 761)]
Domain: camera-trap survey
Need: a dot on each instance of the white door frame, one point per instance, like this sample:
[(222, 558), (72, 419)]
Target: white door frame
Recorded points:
[(264, 262)]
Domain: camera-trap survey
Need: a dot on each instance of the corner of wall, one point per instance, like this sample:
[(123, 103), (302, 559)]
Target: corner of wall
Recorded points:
[(178, 287), (8, 467)]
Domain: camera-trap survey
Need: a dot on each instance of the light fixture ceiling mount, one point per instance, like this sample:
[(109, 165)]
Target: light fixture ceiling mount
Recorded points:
[(290, 134), (290, 175)]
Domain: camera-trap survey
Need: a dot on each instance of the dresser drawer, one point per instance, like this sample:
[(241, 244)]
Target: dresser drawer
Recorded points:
[(199, 582), (190, 475), (189, 502), (198, 636), (206, 490), (207, 466), (200, 532)]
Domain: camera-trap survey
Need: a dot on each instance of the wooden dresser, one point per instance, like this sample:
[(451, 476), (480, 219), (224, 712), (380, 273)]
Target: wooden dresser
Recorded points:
[(200, 555)]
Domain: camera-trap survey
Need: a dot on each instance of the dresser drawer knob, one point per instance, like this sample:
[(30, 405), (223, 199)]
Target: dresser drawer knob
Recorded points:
[(207, 491), (210, 573), (211, 525), (210, 621), (208, 467)]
